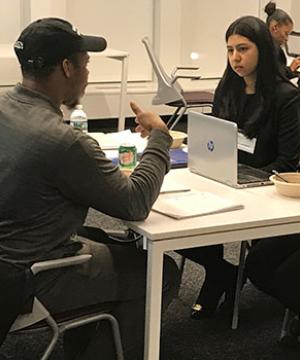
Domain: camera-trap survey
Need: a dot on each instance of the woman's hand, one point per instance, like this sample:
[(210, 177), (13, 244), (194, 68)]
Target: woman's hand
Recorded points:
[(295, 64)]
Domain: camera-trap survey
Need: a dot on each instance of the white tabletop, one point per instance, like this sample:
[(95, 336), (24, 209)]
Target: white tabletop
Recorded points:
[(263, 206), (265, 214)]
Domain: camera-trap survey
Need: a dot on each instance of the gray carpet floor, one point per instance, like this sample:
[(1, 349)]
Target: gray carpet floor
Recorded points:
[(186, 339)]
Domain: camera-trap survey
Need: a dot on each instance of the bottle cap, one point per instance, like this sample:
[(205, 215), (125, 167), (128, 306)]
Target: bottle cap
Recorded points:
[(79, 107)]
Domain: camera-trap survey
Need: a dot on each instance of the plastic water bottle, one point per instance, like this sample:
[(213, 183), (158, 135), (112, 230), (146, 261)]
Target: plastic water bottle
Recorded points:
[(78, 119)]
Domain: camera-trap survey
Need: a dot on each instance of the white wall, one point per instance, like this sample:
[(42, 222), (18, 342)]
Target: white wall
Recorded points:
[(203, 31), (10, 20), (295, 13), (123, 26), (46, 8)]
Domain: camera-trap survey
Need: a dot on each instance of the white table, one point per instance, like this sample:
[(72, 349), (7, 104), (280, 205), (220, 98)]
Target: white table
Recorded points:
[(123, 57), (266, 214)]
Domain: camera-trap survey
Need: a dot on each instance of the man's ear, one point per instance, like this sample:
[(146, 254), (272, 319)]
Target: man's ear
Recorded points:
[(67, 68)]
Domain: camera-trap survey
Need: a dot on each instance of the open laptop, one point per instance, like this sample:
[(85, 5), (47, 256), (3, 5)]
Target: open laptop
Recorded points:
[(213, 152)]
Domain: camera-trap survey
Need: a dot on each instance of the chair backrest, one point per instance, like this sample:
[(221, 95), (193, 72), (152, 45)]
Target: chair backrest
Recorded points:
[(167, 91)]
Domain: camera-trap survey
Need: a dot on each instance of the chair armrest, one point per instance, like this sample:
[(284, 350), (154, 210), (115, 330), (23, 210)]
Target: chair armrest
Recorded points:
[(122, 234), (183, 68), (59, 263), (191, 77)]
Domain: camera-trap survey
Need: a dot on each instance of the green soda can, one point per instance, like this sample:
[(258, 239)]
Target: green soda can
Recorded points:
[(127, 156)]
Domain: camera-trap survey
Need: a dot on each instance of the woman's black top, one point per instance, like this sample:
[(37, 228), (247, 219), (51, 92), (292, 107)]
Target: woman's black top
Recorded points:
[(278, 139), (283, 62)]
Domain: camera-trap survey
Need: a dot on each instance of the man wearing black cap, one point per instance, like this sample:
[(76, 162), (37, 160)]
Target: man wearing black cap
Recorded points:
[(50, 176), (46, 43)]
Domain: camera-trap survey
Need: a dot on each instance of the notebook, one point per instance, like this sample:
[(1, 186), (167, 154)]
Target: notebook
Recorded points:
[(170, 185), (213, 152), (178, 157), (193, 203)]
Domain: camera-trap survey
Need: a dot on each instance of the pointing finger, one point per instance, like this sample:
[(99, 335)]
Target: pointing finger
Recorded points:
[(135, 108)]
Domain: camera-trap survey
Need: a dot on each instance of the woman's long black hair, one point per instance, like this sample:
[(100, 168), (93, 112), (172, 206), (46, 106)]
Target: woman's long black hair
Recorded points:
[(231, 89)]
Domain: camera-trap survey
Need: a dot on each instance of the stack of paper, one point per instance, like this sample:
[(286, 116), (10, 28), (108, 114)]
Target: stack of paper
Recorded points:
[(112, 141), (193, 203)]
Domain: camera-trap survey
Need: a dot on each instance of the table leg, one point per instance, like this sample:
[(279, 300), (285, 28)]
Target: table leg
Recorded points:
[(153, 301)]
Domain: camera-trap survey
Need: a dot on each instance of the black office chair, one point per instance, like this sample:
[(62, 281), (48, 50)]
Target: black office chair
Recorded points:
[(40, 318), (169, 91)]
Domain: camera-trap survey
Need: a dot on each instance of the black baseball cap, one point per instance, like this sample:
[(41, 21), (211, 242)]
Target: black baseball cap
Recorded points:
[(49, 40)]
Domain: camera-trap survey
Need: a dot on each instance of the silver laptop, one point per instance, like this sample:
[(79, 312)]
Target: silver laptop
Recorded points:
[(213, 152)]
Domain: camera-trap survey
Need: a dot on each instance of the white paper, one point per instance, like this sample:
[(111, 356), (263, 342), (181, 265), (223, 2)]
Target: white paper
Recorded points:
[(112, 141), (245, 143), (193, 203)]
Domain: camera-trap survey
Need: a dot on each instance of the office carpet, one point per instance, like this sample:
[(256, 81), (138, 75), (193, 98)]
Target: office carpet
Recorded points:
[(186, 339)]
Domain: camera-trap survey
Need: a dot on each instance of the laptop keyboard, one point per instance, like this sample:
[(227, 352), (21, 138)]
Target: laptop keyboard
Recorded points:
[(248, 174)]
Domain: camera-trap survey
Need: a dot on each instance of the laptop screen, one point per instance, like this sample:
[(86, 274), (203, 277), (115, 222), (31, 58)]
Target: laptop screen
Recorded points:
[(293, 44), (212, 147)]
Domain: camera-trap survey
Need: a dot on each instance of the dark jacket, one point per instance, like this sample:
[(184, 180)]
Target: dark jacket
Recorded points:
[(278, 140), (283, 63)]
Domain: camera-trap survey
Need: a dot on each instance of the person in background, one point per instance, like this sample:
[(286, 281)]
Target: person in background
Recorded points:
[(255, 95), (51, 174), (280, 25)]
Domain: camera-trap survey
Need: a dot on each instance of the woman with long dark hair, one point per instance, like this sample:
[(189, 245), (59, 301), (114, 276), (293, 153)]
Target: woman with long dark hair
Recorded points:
[(266, 107)]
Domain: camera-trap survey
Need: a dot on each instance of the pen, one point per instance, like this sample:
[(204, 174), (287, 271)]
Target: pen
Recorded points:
[(174, 191)]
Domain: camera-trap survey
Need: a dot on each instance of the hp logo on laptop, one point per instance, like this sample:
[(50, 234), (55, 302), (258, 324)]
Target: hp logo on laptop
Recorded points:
[(210, 145)]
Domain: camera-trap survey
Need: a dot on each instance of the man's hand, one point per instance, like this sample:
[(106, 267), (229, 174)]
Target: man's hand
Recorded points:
[(295, 64), (146, 121)]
